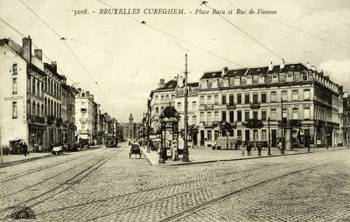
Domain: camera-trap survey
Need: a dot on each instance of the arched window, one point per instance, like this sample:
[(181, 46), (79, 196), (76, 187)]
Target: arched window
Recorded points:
[(38, 109), (45, 112), (42, 109), (29, 107), (33, 109), (14, 69)]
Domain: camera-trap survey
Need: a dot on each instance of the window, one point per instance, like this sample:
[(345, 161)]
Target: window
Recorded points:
[(285, 113), (239, 134), (306, 113), (216, 116), (284, 95), (239, 115), (223, 115), (14, 86), (194, 120), (255, 98), (239, 98), (156, 99), (209, 101), (307, 95), (263, 135), (209, 120), (273, 114), (14, 110), (295, 113), (255, 115), (216, 99), (33, 84), (246, 98), (201, 100), (194, 105), (179, 106), (273, 96), (223, 98), (246, 115), (263, 97), (231, 116), (231, 99), (201, 116), (210, 136), (263, 115), (295, 94), (14, 69)]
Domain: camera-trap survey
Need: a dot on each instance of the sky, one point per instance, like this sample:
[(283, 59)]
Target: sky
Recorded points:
[(120, 60)]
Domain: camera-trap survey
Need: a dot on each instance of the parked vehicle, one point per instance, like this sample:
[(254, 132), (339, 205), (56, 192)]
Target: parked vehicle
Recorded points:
[(57, 150)]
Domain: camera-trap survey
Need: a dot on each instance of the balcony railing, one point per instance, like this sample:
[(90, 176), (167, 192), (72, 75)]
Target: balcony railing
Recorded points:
[(231, 106), (36, 119), (255, 105)]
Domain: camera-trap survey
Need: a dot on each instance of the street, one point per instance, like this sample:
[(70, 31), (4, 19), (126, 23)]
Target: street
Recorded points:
[(105, 185)]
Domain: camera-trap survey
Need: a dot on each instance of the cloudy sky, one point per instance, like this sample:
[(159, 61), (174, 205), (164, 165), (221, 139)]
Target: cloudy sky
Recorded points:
[(120, 60)]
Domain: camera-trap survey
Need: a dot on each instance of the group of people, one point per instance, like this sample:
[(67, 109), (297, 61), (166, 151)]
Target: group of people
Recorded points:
[(247, 148), (23, 147)]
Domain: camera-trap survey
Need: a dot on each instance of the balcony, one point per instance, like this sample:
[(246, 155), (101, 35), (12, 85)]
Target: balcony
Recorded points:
[(206, 106), (231, 106), (50, 119), (36, 119), (255, 105)]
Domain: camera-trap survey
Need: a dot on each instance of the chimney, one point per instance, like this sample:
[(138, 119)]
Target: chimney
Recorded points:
[(27, 48), (38, 53), (54, 66), (282, 64), (161, 83), (270, 66), (224, 71)]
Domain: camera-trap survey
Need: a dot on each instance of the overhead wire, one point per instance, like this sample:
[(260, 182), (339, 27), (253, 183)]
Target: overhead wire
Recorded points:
[(70, 49)]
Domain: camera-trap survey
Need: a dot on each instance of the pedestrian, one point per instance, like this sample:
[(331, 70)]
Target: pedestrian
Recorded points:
[(281, 147), (25, 148), (249, 149)]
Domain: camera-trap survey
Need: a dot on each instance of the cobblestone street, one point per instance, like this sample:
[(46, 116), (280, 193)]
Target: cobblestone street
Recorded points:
[(105, 185)]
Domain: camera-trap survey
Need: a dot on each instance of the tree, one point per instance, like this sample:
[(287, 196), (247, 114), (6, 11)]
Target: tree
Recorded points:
[(227, 127)]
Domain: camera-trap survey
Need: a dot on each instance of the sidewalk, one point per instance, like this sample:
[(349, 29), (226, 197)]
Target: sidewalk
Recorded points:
[(208, 155), (13, 159)]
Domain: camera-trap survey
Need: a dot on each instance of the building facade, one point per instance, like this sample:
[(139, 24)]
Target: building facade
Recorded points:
[(130, 129), (86, 116), (291, 101)]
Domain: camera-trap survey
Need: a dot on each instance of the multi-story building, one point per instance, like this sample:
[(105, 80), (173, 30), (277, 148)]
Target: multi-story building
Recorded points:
[(53, 105), (85, 116), (292, 101), (22, 94), (68, 114)]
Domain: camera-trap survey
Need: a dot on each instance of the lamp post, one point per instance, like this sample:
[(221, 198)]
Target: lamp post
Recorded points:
[(185, 156)]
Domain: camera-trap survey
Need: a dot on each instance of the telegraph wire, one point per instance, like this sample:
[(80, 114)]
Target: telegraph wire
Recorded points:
[(36, 46), (245, 33), (70, 49), (302, 31), (175, 37)]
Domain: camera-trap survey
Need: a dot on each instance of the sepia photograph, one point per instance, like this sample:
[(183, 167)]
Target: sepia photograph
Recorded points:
[(164, 110)]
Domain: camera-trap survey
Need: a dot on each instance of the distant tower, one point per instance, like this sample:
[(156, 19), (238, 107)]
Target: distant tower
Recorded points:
[(131, 127)]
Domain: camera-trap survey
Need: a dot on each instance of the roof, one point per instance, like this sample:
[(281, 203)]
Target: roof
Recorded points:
[(53, 71), (193, 84), (169, 85), (256, 71), (210, 75)]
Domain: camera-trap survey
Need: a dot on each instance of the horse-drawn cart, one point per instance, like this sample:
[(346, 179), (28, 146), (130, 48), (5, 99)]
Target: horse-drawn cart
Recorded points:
[(135, 149)]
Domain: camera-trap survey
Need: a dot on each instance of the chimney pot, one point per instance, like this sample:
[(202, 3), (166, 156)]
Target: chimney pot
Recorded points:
[(38, 53)]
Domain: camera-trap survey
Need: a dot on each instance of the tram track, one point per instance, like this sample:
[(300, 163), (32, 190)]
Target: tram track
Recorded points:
[(205, 203), (67, 184), (41, 168), (47, 179)]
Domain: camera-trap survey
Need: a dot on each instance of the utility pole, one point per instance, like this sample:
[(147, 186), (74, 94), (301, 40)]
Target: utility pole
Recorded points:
[(185, 157), (268, 134)]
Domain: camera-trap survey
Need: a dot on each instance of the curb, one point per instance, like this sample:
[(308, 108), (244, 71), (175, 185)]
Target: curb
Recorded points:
[(143, 153), (23, 161)]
